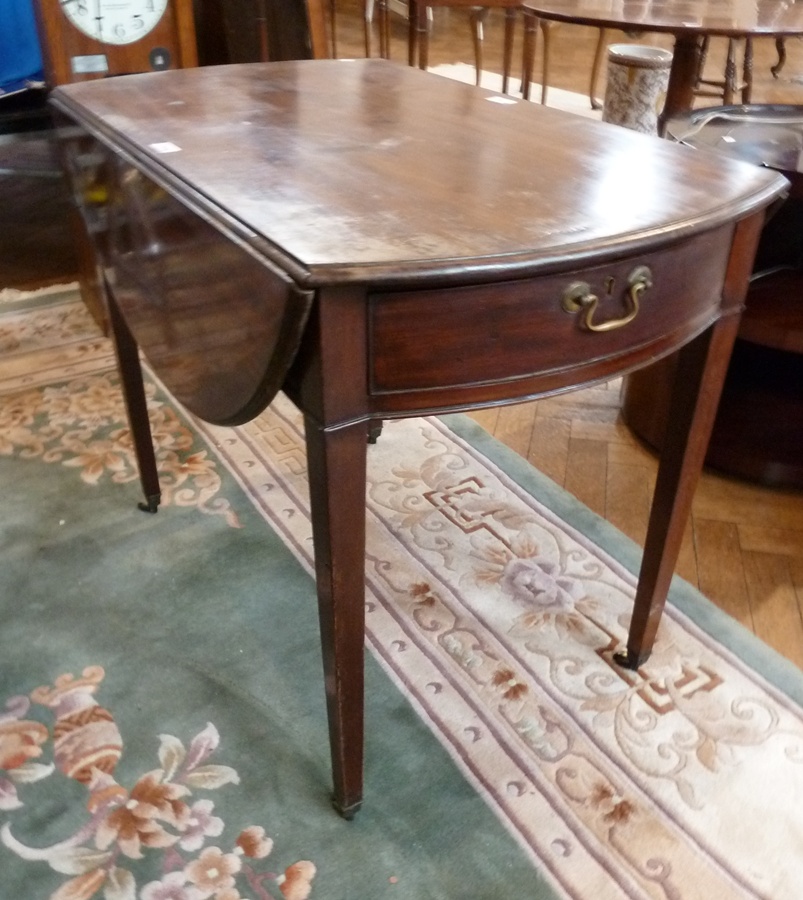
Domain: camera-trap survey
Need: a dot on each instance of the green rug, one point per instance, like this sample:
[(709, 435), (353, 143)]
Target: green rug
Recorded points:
[(164, 734)]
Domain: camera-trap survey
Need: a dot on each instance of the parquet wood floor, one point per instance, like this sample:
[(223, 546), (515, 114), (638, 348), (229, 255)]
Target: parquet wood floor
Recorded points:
[(744, 544)]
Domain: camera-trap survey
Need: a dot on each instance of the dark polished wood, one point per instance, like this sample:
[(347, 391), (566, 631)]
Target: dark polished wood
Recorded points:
[(758, 432), (239, 31), (689, 23), (36, 242), (417, 298), (171, 44)]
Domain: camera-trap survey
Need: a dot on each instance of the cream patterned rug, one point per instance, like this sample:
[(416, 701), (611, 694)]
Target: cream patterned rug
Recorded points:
[(14, 294), (494, 603)]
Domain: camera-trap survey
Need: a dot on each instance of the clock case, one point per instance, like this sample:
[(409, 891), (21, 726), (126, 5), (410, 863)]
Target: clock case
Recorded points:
[(69, 55)]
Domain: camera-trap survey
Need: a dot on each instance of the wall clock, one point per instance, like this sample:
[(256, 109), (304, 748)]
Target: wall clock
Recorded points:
[(84, 39)]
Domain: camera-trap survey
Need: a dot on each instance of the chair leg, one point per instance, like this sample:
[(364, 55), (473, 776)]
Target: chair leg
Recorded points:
[(546, 31), (528, 52), (507, 60), (732, 85), (412, 31), (730, 74), (780, 47), (703, 55), (384, 29), (333, 26), (369, 21), (421, 33), (747, 71), (596, 67), (479, 16)]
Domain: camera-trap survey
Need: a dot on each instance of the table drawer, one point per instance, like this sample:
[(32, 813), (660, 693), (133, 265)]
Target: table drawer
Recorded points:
[(481, 334)]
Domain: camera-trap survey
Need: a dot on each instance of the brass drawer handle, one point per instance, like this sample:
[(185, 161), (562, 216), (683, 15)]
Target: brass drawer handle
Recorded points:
[(578, 297)]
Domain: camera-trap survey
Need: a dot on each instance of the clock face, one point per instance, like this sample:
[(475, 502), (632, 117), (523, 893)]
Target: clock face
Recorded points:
[(114, 21)]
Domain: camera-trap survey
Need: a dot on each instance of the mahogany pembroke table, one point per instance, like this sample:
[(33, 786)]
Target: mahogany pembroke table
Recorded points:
[(381, 242)]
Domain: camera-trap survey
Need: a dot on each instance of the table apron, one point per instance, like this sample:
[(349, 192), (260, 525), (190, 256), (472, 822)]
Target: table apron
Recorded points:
[(493, 341)]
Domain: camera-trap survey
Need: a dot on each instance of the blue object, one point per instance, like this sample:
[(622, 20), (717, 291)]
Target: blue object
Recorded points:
[(20, 54)]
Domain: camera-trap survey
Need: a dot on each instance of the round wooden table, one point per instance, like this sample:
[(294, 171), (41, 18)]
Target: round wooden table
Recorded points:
[(689, 22)]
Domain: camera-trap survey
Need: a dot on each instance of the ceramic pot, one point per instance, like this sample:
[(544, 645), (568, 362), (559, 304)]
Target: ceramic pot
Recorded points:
[(638, 76)]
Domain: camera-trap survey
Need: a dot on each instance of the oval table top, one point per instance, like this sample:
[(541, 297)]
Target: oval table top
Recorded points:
[(731, 18), (347, 170)]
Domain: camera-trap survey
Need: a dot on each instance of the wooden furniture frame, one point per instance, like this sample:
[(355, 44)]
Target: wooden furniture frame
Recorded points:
[(732, 83), (63, 44), (419, 25), (419, 17), (725, 88), (547, 28), (479, 279), (383, 17), (701, 20)]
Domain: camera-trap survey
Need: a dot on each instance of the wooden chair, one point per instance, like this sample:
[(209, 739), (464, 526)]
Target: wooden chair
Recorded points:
[(730, 84), (384, 27), (383, 8), (531, 27), (371, 6), (419, 23), (547, 27), (725, 88)]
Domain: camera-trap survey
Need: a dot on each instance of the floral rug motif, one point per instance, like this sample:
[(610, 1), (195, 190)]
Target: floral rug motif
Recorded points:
[(81, 422), (159, 814), (494, 604)]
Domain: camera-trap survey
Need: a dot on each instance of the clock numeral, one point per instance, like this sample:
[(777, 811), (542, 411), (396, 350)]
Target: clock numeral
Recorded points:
[(79, 6), (114, 22)]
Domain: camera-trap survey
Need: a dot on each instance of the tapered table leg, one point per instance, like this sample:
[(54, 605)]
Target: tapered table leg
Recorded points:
[(130, 370), (692, 414), (699, 378), (337, 473)]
